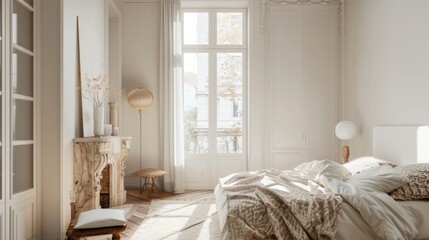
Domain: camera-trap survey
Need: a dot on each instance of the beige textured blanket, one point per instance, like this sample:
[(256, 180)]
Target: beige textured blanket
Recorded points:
[(298, 214), (271, 206)]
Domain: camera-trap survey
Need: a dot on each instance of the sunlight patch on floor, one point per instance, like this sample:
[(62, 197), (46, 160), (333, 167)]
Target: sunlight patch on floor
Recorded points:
[(178, 219)]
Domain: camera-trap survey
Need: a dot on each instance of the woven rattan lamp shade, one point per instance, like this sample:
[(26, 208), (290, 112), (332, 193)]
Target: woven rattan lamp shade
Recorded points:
[(140, 98)]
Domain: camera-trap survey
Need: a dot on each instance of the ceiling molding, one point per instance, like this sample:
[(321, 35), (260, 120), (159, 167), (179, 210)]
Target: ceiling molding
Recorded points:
[(305, 2), (140, 1), (264, 5), (215, 3)]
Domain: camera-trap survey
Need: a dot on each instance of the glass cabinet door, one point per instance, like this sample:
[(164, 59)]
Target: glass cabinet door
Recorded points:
[(18, 203), (22, 92), (1, 100)]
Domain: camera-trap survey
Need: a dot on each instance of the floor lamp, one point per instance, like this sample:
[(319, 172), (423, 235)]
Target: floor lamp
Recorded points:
[(345, 130), (140, 98)]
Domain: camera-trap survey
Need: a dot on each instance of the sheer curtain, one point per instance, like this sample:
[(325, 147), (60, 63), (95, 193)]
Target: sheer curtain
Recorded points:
[(171, 96)]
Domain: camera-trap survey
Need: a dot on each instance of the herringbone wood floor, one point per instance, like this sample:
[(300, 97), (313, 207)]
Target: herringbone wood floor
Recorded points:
[(142, 204), (134, 197)]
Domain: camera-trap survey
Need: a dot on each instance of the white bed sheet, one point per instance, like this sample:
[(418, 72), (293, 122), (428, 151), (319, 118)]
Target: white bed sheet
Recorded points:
[(222, 209), (419, 211), (352, 226)]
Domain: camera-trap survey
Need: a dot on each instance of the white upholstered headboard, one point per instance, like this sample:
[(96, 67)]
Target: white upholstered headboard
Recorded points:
[(401, 144)]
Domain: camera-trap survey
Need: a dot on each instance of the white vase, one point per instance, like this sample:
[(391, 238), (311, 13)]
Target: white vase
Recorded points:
[(115, 131), (98, 121)]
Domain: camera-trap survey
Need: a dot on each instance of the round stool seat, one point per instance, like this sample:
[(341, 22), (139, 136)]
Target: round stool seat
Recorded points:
[(149, 174)]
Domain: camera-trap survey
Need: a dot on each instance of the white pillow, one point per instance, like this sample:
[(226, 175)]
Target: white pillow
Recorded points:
[(334, 170), (325, 166), (380, 179), (317, 170), (362, 164), (98, 218), (313, 166)]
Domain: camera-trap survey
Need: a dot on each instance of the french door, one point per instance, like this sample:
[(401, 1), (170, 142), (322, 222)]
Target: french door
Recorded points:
[(215, 80)]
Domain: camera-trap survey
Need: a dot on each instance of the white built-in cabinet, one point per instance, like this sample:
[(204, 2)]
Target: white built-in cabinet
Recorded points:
[(301, 68), (18, 115)]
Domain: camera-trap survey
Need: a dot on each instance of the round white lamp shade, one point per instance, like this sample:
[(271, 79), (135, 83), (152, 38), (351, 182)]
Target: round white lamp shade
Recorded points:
[(140, 98), (345, 130)]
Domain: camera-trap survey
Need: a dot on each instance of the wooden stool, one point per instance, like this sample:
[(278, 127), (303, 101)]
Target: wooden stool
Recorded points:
[(76, 234), (149, 175)]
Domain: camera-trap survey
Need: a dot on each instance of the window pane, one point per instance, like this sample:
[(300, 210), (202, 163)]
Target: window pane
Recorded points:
[(196, 102), (229, 102), (22, 26), (1, 127), (1, 70), (196, 28), (22, 73), (1, 117), (1, 19), (229, 28), (22, 119), (22, 168)]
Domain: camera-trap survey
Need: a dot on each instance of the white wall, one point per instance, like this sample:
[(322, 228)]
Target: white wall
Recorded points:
[(93, 14), (256, 89), (140, 67), (61, 102), (386, 66), (50, 185)]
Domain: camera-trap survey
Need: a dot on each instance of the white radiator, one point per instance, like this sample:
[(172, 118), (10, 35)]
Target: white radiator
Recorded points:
[(401, 144)]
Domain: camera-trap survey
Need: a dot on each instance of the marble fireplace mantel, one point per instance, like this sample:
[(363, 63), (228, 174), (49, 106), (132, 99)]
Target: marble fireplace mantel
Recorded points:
[(91, 156)]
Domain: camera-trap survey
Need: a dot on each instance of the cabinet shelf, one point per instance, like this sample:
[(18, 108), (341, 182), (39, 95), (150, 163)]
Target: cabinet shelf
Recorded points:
[(22, 49), (22, 97), (22, 142), (26, 5)]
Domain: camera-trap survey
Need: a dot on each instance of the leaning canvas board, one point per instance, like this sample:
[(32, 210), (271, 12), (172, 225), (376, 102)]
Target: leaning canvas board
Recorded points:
[(91, 63)]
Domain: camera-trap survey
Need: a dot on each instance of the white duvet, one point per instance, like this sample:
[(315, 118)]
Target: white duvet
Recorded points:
[(368, 212), (367, 194)]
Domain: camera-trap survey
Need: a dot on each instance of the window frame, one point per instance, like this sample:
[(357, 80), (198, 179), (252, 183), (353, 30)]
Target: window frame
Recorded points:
[(212, 48)]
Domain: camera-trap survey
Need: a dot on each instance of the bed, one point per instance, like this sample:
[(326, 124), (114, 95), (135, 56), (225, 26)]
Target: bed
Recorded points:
[(326, 200)]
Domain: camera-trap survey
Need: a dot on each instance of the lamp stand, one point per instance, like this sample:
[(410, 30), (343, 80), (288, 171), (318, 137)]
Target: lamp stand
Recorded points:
[(140, 145), (346, 154)]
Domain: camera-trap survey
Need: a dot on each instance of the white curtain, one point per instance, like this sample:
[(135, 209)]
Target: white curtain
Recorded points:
[(171, 96)]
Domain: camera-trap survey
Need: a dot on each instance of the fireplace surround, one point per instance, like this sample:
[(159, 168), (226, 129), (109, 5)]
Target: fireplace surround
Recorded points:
[(91, 156)]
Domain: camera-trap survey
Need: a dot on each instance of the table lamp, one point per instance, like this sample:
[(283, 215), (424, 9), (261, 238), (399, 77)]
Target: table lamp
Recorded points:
[(345, 130)]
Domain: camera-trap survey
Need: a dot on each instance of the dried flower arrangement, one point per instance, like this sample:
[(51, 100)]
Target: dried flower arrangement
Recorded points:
[(96, 89)]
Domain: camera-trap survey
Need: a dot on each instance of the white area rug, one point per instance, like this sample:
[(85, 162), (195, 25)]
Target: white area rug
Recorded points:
[(178, 219)]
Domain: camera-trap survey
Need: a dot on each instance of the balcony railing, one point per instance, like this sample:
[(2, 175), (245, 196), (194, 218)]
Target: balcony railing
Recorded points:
[(226, 142)]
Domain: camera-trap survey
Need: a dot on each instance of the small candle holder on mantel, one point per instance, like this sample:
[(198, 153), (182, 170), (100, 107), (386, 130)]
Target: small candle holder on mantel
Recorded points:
[(72, 203), (113, 117)]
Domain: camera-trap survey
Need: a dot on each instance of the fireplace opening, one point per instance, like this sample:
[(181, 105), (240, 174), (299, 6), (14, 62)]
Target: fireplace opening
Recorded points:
[(105, 188)]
